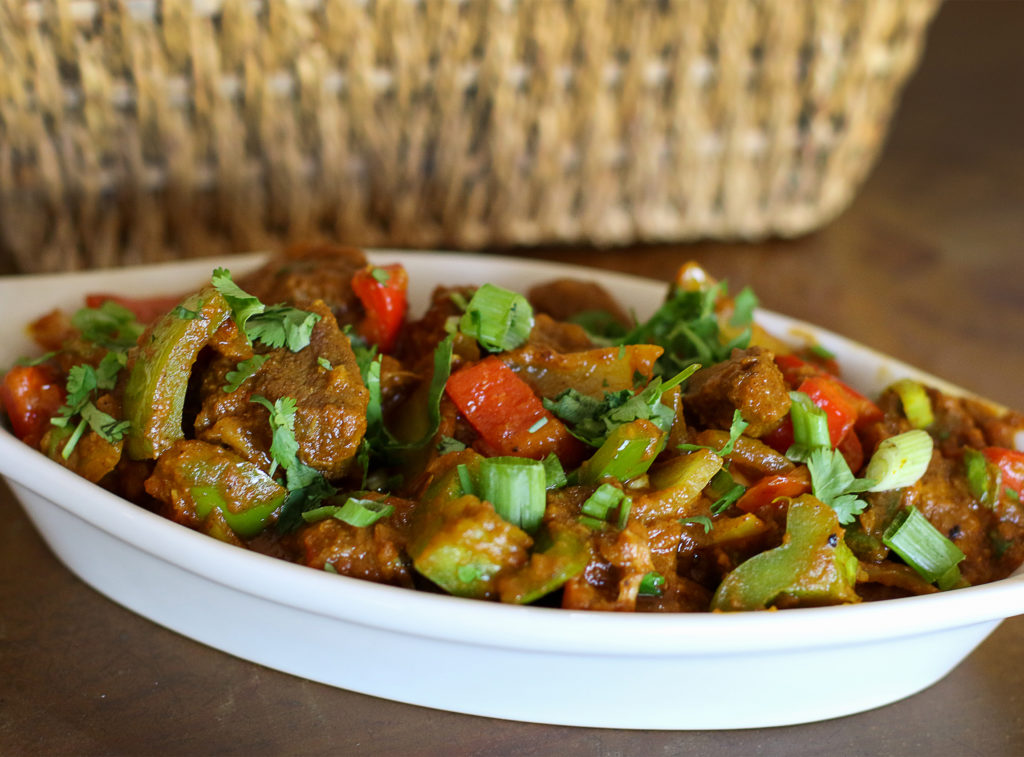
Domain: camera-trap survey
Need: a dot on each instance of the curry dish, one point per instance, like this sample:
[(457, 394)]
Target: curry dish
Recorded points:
[(541, 447)]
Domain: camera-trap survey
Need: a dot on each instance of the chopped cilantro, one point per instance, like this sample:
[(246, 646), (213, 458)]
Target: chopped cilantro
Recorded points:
[(591, 420), (276, 326), (686, 326), (448, 444), (110, 325), (324, 363), (744, 305), (728, 499), (83, 383), (243, 371), (28, 362), (282, 326), (835, 485), (600, 325), (380, 275), (736, 429), (284, 449)]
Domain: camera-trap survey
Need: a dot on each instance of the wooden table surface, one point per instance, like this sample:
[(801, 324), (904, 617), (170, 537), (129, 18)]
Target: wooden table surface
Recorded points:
[(926, 265)]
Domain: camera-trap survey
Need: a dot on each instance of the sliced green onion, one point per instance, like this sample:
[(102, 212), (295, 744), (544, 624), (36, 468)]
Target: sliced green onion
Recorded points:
[(983, 478), (924, 548), (823, 352), (465, 479), (497, 318), (515, 486), (541, 423), (917, 406), (810, 427), (899, 460), (606, 499), (554, 473), (356, 512), (652, 584)]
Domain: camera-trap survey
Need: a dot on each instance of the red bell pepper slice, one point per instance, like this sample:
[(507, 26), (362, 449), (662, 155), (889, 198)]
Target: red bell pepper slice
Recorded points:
[(31, 395), (508, 416), (826, 394), (1011, 466), (769, 489), (795, 371), (145, 309), (383, 292)]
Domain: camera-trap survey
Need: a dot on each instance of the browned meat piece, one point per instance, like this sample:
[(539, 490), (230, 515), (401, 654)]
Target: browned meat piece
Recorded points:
[(310, 272), (748, 381), (330, 415), (563, 298), (555, 335), (417, 340), (942, 496), (375, 553)]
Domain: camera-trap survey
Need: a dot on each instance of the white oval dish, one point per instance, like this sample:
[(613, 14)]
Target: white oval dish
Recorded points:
[(692, 671)]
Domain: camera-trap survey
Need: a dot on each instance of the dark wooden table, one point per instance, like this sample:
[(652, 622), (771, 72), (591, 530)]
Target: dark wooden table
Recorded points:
[(926, 265)]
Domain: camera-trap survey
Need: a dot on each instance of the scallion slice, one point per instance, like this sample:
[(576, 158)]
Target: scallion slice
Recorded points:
[(924, 548), (356, 512), (515, 486), (652, 584), (899, 461), (497, 318), (604, 500), (554, 473), (810, 427), (917, 405)]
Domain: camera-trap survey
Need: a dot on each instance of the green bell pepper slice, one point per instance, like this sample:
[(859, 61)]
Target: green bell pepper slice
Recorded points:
[(158, 373), (564, 558), (813, 566), (627, 453)]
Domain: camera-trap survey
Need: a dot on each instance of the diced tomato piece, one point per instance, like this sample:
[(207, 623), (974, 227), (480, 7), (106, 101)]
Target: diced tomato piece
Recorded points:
[(509, 417), (1011, 466), (852, 449), (770, 488), (383, 292), (145, 309), (825, 393), (31, 395)]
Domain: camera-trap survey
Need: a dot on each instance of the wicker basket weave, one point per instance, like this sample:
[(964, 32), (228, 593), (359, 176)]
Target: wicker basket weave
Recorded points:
[(141, 130)]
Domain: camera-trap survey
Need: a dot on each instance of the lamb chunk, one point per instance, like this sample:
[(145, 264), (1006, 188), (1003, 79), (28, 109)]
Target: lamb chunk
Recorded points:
[(749, 381), (374, 553), (330, 414), (306, 273), (564, 298)]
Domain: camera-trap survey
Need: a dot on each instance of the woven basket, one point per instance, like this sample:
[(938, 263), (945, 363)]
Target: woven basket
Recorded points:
[(142, 130)]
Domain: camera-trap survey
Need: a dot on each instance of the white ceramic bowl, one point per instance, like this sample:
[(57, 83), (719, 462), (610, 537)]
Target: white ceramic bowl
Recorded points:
[(692, 671)]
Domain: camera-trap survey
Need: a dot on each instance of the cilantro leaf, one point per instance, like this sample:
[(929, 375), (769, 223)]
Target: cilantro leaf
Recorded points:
[(736, 429), (28, 362), (284, 449), (109, 428), (307, 489), (591, 420), (324, 363), (243, 305), (281, 325), (110, 325), (744, 305), (834, 484), (687, 327), (243, 371), (276, 326)]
